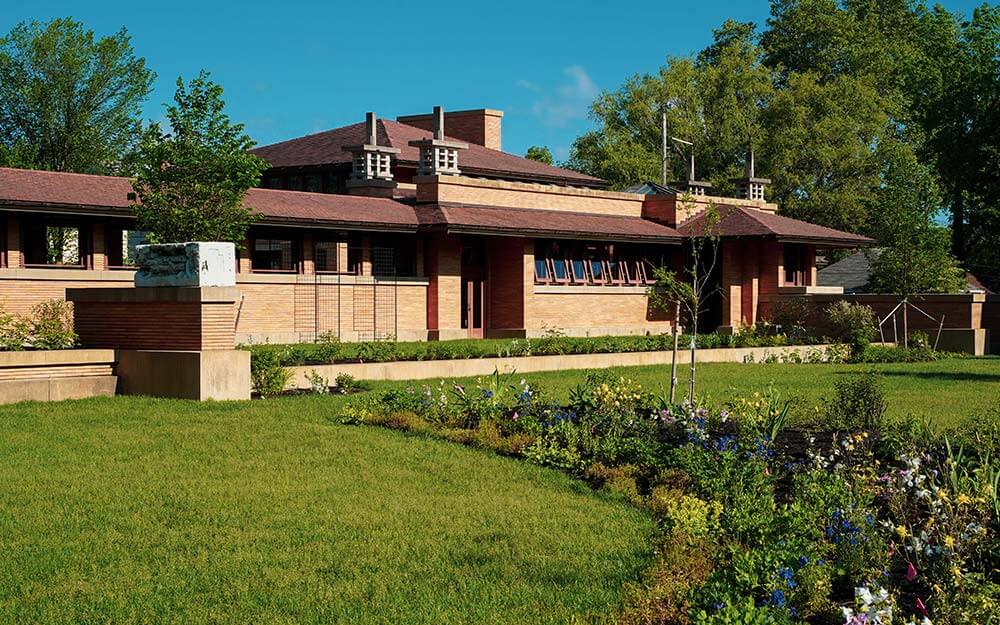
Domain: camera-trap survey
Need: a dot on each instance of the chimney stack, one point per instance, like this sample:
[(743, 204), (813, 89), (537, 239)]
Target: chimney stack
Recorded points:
[(479, 126), (438, 156), (749, 187), (371, 163)]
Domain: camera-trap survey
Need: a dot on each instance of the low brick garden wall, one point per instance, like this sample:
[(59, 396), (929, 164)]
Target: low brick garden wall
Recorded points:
[(56, 375), (427, 369)]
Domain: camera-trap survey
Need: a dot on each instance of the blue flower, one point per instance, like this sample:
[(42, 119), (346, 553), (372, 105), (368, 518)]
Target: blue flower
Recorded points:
[(487, 393), (803, 560), (777, 599)]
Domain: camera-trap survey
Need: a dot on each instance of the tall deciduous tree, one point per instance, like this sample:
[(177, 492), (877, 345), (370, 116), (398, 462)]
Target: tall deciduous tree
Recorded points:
[(69, 101), (540, 153), (191, 181)]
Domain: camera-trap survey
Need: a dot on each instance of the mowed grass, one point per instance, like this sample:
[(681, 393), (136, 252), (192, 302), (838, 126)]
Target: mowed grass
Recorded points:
[(948, 392), (136, 510)]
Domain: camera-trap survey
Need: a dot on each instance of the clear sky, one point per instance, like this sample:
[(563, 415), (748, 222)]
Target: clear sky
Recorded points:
[(293, 68)]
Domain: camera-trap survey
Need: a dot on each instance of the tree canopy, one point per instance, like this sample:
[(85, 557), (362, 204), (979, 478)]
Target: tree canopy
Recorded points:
[(191, 181), (69, 101), (835, 98), (540, 153)]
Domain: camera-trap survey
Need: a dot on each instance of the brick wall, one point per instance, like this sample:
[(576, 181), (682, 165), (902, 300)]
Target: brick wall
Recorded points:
[(477, 191), (505, 285), (141, 325)]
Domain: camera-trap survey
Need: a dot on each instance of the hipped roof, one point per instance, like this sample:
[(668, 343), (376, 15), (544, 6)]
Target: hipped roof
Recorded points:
[(327, 148), (739, 221)]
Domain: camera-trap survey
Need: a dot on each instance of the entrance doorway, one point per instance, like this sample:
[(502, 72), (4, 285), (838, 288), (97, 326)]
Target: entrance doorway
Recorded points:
[(474, 289)]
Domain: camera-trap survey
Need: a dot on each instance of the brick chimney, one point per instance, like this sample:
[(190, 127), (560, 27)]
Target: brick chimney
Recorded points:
[(371, 163), (479, 126)]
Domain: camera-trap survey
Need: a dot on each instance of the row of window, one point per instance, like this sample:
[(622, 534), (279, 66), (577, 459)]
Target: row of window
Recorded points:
[(69, 244), (576, 262)]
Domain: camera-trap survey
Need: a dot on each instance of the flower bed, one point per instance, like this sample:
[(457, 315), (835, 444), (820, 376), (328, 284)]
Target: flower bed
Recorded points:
[(854, 521)]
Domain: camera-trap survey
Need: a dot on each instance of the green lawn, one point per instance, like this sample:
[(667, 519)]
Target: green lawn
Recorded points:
[(136, 510)]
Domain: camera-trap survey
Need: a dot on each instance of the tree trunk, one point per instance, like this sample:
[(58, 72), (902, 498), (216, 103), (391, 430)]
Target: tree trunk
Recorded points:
[(673, 361), (906, 325), (694, 343), (958, 225)]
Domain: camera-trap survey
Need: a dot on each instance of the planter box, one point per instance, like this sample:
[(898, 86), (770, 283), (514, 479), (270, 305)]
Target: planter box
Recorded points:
[(57, 374)]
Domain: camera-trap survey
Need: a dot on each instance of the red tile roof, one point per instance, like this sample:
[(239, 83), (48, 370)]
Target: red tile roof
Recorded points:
[(536, 222), (55, 190), (326, 148), (739, 221)]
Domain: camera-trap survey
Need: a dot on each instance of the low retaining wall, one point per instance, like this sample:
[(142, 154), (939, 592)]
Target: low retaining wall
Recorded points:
[(426, 369), (57, 374)]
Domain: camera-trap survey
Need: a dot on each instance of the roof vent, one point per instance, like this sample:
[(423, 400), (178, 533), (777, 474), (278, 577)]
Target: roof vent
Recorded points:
[(438, 155), (371, 161), (750, 187)]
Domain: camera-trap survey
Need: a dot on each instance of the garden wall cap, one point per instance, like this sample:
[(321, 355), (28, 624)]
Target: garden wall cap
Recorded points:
[(206, 295)]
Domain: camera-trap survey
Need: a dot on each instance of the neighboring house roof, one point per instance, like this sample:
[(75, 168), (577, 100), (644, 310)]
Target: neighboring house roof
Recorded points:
[(326, 148), (651, 188), (853, 273), (739, 221), (55, 191), (537, 222), (850, 272)]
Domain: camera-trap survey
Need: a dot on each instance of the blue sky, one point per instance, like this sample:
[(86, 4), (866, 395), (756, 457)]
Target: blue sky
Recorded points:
[(292, 68)]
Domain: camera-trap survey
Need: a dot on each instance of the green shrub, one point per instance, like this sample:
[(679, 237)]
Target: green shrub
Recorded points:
[(860, 403), (549, 451), (268, 376), (317, 383), (346, 383), (745, 613), (14, 331), (376, 351), (853, 324), (52, 325)]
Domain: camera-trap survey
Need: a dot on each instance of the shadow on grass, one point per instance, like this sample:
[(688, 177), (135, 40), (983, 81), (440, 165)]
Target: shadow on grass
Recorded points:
[(953, 376)]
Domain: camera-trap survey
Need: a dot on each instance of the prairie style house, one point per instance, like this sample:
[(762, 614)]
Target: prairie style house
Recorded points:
[(423, 228)]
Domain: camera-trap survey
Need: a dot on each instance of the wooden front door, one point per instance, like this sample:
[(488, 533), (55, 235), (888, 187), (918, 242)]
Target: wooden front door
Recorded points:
[(474, 289), (473, 294)]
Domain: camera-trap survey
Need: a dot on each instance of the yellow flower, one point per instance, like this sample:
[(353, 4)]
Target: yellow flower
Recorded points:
[(936, 589), (963, 499), (957, 572), (949, 542), (902, 532), (942, 495)]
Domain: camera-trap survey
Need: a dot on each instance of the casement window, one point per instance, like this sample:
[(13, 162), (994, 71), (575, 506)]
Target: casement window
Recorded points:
[(597, 264), (273, 253), (55, 243), (797, 269), (120, 244)]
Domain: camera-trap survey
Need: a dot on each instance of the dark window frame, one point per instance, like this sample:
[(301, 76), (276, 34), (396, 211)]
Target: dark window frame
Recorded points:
[(84, 241), (295, 246)]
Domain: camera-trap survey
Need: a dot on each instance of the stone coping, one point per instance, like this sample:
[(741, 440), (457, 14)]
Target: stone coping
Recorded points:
[(810, 290), (463, 368), (589, 289), (131, 294), (56, 357), (327, 278), (68, 275)]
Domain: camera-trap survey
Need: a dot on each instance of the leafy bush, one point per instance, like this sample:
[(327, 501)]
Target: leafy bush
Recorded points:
[(860, 403), (853, 324), (267, 375), (317, 383), (50, 326), (14, 332), (346, 383)]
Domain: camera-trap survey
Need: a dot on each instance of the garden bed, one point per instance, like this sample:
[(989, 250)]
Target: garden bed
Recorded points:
[(853, 519)]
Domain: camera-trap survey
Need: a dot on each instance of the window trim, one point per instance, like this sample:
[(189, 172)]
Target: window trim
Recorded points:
[(296, 257), (84, 242)]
